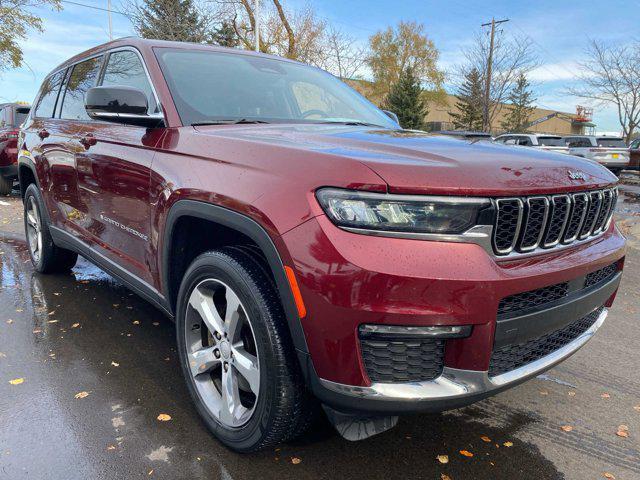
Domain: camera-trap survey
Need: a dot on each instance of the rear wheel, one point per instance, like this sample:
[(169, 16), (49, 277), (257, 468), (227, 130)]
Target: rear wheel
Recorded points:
[(236, 355), (45, 255), (6, 185)]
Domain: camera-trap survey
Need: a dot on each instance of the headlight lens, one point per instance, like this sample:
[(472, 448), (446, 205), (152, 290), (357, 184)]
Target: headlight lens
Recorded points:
[(400, 213)]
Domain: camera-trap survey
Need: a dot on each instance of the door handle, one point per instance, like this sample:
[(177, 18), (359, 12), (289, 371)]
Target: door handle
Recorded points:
[(43, 134), (88, 140)]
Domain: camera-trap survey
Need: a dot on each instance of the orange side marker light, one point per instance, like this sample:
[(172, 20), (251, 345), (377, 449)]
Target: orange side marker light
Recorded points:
[(291, 277)]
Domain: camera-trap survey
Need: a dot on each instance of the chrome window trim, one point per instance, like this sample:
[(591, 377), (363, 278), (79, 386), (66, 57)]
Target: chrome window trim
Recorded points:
[(568, 241), (545, 244), (506, 251), (544, 223)]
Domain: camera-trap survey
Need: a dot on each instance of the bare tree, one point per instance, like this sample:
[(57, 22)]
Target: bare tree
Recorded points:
[(344, 58), (512, 56), (611, 75)]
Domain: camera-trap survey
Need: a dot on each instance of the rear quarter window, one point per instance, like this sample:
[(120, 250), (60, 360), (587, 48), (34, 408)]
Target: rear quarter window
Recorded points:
[(49, 95)]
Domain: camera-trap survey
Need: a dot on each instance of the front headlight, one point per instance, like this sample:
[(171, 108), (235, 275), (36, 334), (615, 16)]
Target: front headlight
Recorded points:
[(401, 213)]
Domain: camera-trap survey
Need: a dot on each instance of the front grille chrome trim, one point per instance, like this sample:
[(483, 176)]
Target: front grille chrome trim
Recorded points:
[(516, 234), (533, 246), (567, 202)]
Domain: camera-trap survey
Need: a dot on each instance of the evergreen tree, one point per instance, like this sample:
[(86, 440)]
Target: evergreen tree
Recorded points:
[(225, 35), (177, 20), (520, 107), (469, 103), (405, 100)]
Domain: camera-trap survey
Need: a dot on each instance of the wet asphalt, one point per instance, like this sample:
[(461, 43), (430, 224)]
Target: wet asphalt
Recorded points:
[(84, 335)]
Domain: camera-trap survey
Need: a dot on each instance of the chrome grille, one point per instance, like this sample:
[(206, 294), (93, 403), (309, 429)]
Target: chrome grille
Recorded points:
[(525, 224)]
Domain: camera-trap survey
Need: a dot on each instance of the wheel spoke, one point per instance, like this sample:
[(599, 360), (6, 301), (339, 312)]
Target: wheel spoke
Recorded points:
[(39, 239), (207, 310), (31, 219), (232, 314), (247, 366), (202, 361), (230, 397)]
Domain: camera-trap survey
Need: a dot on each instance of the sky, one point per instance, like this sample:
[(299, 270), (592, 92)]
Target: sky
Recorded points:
[(560, 31)]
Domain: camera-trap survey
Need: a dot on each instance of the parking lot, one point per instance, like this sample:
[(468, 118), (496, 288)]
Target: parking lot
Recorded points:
[(86, 369)]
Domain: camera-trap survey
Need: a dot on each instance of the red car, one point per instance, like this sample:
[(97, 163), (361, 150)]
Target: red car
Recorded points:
[(309, 249), (11, 117)]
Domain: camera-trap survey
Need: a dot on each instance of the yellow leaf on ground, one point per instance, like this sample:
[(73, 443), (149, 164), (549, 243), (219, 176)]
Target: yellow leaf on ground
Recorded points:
[(444, 476), (486, 439), (544, 392), (111, 447), (136, 322), (75, 325), (16, 381), (605, 395), (81, 394), (508, 444), (572, 393), (466, 453), (609, 476), (163, 417), (566, 428), (637, 408), (295, 460), (443, 458), (623, 431), (9, 321), (115, 364)]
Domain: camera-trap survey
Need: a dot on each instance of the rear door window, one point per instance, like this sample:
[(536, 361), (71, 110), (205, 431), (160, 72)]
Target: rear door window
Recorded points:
[(49, 95), (551, 141), (124, 68), (83, 77), (20, 116)]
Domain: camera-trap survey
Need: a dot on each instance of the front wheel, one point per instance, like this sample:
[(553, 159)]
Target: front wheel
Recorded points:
[(236, 354), (46, 257)]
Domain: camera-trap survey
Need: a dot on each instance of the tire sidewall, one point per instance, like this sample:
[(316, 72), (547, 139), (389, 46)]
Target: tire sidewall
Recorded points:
[(47, 243), (214, 265)]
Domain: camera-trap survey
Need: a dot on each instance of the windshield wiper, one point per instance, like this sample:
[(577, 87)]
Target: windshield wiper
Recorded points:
[(228, 122), (352, 122)]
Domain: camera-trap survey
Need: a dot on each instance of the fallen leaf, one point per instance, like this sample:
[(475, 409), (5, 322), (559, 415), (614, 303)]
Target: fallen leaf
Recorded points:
[(155, 324), (163, 417), (19, 310), (572, 394), (16, 381), (150, 472), (9, 321), (52, 312), (623, 431), (508, 444), (81, 394), (608, 475), (295, 460), (566, 428), (605, 395), (115, 364), (136, 322), (466, 453), (544, 392), (111, 447), (637, 408), (52, 321), (443, 458), (444, 476), (3, 355), (484, 438), (37, 330), (75, 325)]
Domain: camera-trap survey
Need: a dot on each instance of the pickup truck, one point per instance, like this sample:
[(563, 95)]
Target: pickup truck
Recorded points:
[(312, 253)]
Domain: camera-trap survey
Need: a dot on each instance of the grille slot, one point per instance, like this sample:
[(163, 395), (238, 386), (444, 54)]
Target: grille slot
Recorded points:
[(601, 275), (391, 360), (525, 224), (521, 302), (511, 357)]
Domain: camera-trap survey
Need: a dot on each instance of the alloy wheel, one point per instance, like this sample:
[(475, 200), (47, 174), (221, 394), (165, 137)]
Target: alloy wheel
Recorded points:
[(222, 353), (34, 229)]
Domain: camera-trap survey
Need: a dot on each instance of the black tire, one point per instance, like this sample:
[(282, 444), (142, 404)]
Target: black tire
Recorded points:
[(6, 185), (283, 407), (51, 258)]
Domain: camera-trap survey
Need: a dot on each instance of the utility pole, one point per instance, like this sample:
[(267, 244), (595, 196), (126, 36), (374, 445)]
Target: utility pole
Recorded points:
[(487, 88), (256, 14), (109, 14)]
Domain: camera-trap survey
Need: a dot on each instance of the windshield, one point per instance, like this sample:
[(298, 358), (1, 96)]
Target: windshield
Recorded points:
[(611, 142), (551, 141), (21, 116), (213, 86)]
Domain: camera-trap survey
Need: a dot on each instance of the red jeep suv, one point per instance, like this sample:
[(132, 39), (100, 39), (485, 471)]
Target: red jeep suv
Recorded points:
[(11, 117), (310, 250)]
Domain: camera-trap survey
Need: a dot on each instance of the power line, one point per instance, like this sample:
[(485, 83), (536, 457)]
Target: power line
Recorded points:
[(95, 8)]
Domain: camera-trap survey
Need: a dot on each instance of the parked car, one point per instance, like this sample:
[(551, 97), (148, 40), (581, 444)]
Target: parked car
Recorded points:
[(11, 117), (308, 248), (611, 152), (466, 134), (552, 143), (634, 155)]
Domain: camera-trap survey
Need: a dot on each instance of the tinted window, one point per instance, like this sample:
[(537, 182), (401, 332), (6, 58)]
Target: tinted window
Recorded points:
[(551, 141), (82, 78), (20, 116), (209, 86), (125, 68), (611, 142), (635, 144), (579, 142), (3, 116), (49, 95), (525, 141)]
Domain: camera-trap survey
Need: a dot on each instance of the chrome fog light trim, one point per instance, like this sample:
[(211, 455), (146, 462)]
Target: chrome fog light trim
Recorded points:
[(444, 331)]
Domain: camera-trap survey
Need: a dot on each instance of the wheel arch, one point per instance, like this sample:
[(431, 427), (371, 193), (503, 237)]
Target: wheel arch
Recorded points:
[(237, 222)]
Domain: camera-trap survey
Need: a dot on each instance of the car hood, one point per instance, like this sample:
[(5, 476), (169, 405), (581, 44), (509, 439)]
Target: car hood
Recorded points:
[(422, 163)]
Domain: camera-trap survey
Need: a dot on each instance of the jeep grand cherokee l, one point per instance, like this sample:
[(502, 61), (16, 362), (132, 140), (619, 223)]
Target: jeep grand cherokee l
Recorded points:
[(309, 249)]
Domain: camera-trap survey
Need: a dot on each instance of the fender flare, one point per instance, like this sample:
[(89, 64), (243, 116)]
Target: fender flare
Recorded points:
[(248, 227)]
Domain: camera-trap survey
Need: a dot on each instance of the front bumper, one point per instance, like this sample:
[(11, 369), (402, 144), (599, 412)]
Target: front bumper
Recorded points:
[(453, 389)]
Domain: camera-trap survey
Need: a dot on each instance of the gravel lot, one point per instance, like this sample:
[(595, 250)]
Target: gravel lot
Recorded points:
[(86, 367)]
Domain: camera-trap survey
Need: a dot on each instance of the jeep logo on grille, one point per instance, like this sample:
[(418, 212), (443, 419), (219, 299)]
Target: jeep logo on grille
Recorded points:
[(576, 175)]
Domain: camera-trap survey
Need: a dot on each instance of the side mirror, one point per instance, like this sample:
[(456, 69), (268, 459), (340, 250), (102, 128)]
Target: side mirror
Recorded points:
[(392, 116), (121, 105)]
